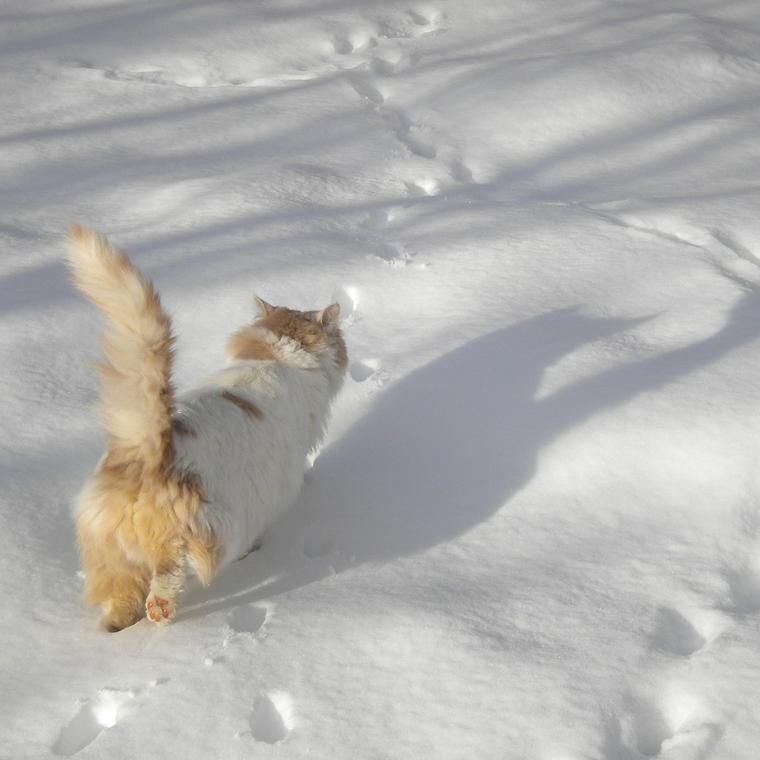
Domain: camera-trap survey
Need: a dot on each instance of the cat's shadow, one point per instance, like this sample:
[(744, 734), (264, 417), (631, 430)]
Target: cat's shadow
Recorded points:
[(445, 447)]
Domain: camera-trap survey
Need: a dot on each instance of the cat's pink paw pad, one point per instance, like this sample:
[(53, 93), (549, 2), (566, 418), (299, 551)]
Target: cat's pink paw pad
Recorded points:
[(159, 610)]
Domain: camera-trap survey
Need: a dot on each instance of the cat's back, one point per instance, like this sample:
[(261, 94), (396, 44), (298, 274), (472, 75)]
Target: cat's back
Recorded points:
[(239, 415), (245, 433)]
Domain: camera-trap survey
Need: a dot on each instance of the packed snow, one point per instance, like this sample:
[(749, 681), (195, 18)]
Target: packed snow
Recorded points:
[(533, 531)]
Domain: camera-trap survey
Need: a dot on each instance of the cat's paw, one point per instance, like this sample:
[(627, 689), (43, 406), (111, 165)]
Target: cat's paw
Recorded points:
[(159, 610)]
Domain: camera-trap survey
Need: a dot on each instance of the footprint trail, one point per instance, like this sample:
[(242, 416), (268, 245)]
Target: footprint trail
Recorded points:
[(271, 718), (675, 634), (91, 720), (248, 618)]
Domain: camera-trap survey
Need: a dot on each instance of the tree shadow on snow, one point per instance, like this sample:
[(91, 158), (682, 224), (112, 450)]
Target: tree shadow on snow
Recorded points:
[(446, 447)]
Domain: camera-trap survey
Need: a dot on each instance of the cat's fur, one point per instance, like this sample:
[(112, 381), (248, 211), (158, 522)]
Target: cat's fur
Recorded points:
[(188, 483)]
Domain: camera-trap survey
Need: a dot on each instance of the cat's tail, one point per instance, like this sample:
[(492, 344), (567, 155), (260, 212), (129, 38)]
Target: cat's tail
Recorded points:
[(136, 391)]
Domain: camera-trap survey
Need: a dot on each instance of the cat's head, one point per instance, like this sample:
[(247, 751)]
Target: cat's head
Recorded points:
[(317, 333)]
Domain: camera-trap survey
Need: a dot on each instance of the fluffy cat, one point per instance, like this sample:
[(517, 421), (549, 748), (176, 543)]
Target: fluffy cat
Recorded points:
[(189, 482)]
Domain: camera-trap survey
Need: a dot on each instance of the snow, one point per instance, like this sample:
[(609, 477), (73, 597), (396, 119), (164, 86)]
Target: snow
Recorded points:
[(534, 529)]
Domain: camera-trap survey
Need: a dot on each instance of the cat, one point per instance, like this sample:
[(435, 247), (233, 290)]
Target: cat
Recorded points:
[(189, 482)]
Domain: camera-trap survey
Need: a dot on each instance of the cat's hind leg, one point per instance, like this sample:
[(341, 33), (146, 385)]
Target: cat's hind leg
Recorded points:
[(112, 582), (166, 585), (168, 579), (119, 589), (124, 606), (163, 595)]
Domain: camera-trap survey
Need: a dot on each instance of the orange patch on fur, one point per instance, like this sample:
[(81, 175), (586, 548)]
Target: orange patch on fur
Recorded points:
[(295, 325), (242, 403), (307, 330), (247, 345), (139, 333), (143, 524)]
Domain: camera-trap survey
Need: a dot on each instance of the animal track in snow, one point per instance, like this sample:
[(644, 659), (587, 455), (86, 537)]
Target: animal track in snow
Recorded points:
[(430, 20), (91, 720), (406, 133), (423, 22), (342, 46), (364, 369), (742, 573), (388, 64), (271, 719), (392, 254), (247, 618), (675, 634), (424, 187), (744, 589), (391, 53), (653, 728), (348, 299), (419, 18), (646, 729), (460, 172), (389, 33), (357, 41), (364, 87)]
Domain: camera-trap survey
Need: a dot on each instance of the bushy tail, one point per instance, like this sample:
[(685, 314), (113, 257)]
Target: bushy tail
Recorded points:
[(136, 391)]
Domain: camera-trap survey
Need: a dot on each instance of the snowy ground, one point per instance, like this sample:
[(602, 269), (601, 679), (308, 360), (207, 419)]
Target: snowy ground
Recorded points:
[(534, 531)]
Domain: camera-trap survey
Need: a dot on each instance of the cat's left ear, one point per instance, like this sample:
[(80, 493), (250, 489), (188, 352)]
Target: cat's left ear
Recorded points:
[(264, 308), (329, 317)]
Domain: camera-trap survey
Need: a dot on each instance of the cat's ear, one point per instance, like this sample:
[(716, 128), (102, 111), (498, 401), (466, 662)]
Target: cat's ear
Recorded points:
[(329, 316), (264, 308)]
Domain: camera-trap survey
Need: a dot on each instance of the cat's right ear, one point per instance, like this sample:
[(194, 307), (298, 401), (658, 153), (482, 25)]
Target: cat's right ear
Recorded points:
[(264, 309), (329, 316)]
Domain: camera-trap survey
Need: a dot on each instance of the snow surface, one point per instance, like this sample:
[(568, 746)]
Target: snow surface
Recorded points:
[(534, 531)]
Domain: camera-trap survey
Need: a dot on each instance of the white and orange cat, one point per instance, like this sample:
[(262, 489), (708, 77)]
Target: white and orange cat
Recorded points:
[(189, 482)]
